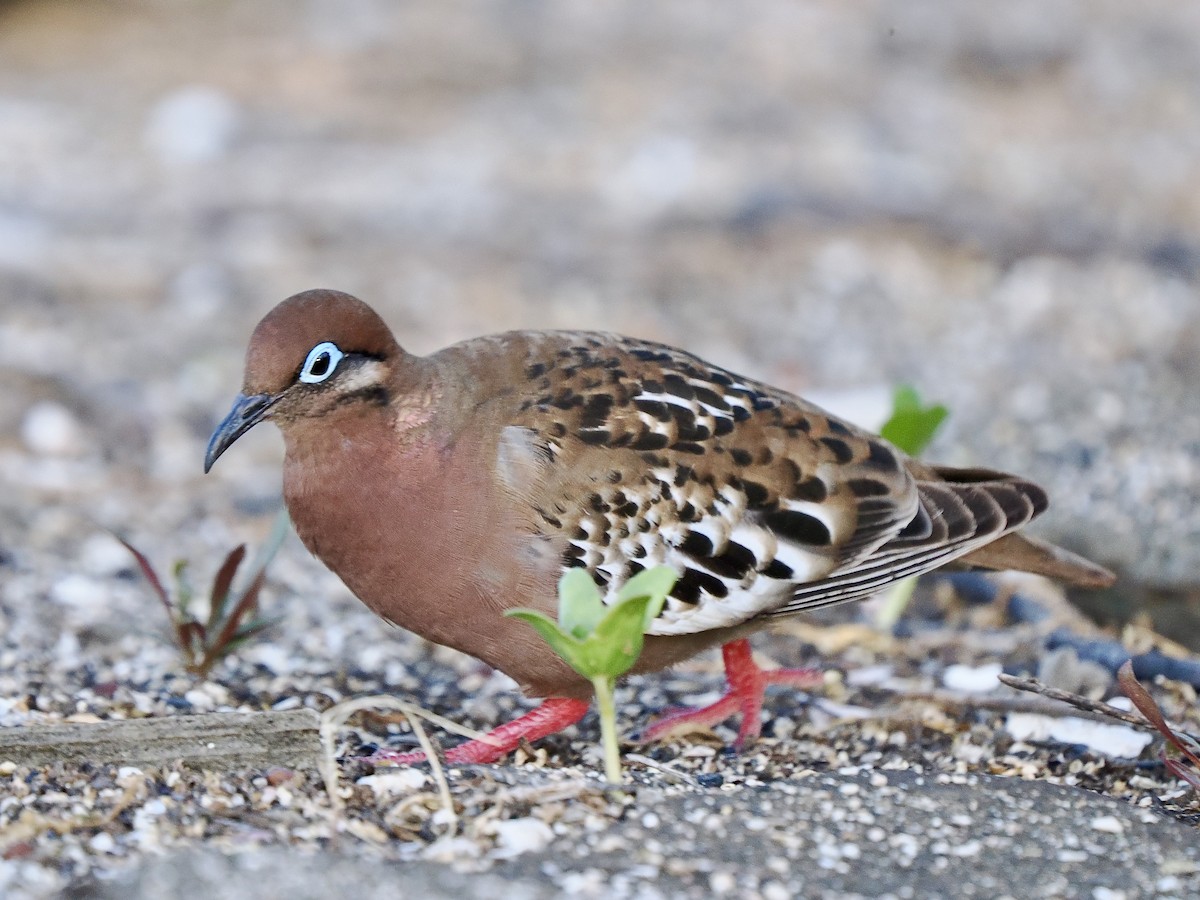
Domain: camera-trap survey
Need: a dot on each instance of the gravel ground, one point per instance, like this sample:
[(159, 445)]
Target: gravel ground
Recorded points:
[(1000, 207)]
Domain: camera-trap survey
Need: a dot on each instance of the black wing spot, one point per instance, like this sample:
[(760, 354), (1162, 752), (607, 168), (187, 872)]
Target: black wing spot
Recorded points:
[(677, 386), (696, 545), (812, 489), (596, 410), (535, 371), (756, 494), (779, 570), (836, 427), (798, 527), (693, 581), (735, 563), (651, 440), (656, 408), (881, 457), (763, 403), (867, 487), (650, 355), (717, 377), (626, 510), (711, 398), (741, 457), (595, 436), (722, 425), (840, 449), (567, 400), (688, 447)]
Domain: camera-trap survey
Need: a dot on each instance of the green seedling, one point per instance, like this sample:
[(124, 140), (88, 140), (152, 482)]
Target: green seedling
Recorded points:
[(601, 642), (912, 428), (232, 618)]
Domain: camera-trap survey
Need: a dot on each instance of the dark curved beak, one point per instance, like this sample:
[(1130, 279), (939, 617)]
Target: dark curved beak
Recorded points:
[(247, 412)]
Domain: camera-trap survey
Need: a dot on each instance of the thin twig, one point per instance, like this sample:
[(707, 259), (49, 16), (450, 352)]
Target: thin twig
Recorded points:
[(1076, 700), (685, 777), (1016, 704)]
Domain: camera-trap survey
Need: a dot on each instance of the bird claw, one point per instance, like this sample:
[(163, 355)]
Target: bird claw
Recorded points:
[(555, 714), (747, 684)]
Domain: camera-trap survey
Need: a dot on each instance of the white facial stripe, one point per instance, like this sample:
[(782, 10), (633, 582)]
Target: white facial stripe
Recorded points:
[(366, 374)]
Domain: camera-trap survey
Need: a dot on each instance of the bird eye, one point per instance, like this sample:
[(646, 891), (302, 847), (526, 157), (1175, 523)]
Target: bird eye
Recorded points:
[(322, 360)]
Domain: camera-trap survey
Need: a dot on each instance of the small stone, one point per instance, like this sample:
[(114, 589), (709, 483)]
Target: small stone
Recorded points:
[(386, 784), (192, 125), (49, 429), (1108, 824), (972, 679), (103, 843), (101, 554), (517, 836), (722, 882), (277, 775)]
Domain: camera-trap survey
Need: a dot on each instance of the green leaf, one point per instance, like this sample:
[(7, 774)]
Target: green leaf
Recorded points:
[(580, 606), (616, 643), (566, 646), (595, 640), (653, 583), (912, 426), (183, 588)]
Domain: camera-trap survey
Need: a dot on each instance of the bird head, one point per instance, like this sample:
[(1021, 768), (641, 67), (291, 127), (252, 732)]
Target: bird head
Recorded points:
[(313, 353)]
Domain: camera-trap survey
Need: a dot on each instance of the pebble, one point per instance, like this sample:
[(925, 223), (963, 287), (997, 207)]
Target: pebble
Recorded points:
[(972, 679), (1119, 741), (101, 554), (517, 836), (192, 125), (387, 784), (103, 843), (1108, 824), (50, 429)]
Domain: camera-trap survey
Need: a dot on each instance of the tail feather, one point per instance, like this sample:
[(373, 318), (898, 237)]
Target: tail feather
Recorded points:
[(1022, 553)]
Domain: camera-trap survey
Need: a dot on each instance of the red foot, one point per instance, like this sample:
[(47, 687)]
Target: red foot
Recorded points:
[(747, 682), (553, 715)]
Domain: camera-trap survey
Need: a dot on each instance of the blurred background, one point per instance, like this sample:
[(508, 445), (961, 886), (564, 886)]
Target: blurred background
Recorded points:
[(997, 203)]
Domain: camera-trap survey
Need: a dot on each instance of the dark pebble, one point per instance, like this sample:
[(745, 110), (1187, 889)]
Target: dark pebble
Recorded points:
[(973, 588), (1112, 655), (1026, 609)]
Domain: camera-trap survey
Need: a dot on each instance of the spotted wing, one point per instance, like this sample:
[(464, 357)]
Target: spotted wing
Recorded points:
[(654, 457)]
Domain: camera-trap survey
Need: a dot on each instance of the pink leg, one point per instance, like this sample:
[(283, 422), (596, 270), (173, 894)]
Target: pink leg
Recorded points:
[(747, 683), (555, 714)]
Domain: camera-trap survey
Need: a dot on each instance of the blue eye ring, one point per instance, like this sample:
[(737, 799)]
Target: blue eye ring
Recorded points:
[(321, 362)]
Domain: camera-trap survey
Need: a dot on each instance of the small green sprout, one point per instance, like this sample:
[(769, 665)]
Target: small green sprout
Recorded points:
[(911, 427), (232, 619), (601, 642)]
